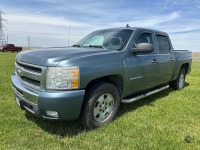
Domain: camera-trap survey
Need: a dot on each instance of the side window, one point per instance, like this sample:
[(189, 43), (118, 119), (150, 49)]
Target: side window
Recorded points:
[(144, 38), (163, 44)]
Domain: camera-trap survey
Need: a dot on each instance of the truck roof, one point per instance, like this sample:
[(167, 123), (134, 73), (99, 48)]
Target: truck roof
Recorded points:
[(7, 44), (137, 28)]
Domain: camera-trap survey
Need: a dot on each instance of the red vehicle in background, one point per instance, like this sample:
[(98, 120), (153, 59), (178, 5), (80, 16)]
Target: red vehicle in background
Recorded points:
[(10, 47)]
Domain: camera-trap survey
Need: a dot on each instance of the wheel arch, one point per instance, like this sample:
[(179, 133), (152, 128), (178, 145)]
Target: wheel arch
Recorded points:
[(177, 69), (185, 67), (116, 80)]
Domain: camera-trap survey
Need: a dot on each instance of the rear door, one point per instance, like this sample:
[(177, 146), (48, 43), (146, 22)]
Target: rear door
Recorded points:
[(166, 58), (142, 68)]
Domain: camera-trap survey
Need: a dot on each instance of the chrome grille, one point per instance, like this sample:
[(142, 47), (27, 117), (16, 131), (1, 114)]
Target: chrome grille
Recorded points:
[(31, 75), (30, 68), (31, 81)]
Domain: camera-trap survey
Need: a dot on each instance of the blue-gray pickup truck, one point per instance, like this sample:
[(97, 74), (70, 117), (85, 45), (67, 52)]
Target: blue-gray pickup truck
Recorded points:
[(89, 80)]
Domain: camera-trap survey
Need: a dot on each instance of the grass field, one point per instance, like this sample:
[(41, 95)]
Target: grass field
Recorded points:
[(169, 120)]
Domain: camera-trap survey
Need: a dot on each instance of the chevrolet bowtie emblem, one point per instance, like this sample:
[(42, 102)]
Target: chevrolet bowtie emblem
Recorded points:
[(19, 71)]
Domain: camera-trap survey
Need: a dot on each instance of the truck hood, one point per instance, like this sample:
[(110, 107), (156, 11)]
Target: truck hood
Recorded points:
[(52, 57)]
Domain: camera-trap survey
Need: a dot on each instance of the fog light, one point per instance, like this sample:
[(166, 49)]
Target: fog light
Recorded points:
[(52, 113)]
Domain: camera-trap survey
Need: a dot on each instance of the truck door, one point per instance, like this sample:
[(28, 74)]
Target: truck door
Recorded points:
[(11, 47), (166, 58), (142, 68)]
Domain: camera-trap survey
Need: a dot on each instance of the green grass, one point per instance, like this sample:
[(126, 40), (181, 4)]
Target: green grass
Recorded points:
[(167, 120)]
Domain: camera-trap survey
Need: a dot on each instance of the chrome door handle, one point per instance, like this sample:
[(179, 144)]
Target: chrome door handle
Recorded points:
[(154, 61), (171, 59)]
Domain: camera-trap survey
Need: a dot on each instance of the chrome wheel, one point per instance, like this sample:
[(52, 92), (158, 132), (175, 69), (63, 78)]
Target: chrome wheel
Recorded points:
[(181, 81), (103, 107)]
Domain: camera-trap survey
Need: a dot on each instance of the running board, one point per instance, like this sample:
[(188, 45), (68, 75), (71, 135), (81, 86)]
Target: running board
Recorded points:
[(144, 95)]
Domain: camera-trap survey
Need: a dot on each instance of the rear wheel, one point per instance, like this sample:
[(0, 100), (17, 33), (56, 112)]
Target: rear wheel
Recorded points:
[(100, 106), (179, 83), (4, 50)]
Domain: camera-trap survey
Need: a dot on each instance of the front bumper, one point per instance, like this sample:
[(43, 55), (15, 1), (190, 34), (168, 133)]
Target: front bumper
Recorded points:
[(66, 103)]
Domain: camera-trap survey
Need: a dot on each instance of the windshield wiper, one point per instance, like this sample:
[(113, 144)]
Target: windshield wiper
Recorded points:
[(96, 46), (76, 45)]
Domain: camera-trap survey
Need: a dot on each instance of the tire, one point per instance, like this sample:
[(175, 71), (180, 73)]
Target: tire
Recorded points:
[(179, 83), (4, 50), (100, 106)]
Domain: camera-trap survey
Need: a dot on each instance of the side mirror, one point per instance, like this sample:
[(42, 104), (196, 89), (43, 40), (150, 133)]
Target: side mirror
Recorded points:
[(143, 48)]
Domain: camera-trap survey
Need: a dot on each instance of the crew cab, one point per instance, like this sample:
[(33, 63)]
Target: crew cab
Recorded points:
[(10, 47), (89, 80)]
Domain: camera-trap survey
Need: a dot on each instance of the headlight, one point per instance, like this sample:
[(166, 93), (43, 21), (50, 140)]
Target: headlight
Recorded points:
[(62, 78)]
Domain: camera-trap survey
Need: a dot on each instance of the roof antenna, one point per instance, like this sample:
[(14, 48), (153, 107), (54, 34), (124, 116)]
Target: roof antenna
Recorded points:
[(127, 26)]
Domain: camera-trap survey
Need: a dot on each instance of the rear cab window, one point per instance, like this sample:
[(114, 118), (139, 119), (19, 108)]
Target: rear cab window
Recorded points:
[(163, 44), (11, 45)]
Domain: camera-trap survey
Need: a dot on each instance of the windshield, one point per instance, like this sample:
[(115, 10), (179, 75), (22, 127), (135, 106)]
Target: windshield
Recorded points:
[(115, 39)]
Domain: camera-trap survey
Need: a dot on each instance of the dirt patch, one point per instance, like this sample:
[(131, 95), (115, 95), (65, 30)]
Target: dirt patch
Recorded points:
[(26, 48), (196, 56)]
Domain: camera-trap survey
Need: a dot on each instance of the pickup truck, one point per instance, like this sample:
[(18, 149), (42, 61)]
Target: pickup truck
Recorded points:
[(10, 47), (89, 80)]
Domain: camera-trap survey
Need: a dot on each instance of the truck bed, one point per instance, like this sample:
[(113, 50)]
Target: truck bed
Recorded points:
[(182, 55)]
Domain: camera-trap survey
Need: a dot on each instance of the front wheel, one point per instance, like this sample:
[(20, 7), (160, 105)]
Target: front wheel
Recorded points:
[(100, 106), (179, 83)]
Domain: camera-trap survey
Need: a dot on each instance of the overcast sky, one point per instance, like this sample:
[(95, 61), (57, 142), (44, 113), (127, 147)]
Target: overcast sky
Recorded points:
[(47, 21)]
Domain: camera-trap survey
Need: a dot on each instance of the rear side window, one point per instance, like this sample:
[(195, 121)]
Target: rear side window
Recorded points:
[(163, 44)]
